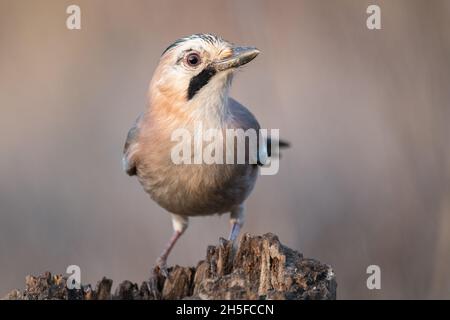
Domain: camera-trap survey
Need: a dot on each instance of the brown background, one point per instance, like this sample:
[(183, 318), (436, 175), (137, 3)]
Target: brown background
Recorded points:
[(367, 113)]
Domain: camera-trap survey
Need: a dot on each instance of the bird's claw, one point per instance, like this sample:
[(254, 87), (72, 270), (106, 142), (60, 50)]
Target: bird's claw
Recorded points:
[(156, 282), (161, 264), (152, 285)]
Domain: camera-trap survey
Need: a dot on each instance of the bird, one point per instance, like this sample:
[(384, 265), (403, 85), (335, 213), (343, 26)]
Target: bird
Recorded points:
[(191, 84)]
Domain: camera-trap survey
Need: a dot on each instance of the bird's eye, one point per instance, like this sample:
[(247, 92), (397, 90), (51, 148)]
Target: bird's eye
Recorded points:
[(193, 59)]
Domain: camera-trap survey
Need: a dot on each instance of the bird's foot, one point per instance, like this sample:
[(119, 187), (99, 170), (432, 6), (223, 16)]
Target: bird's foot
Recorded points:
[(152, 285), (158, 276), (161, 264)]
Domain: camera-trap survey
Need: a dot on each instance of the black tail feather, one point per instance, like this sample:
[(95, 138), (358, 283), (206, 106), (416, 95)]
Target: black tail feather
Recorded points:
[(282, 144)]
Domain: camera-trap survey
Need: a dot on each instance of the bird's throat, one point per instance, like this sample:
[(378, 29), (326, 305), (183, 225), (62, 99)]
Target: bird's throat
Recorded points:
[(210, 105)]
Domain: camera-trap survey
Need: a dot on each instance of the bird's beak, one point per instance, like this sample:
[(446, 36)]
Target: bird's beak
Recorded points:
[(239, 57)]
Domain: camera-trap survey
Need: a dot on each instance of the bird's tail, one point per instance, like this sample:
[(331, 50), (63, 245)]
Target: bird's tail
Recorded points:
[(282, 144)]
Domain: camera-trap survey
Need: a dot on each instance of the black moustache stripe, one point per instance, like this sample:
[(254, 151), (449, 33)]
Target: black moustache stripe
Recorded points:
[(200, 80)]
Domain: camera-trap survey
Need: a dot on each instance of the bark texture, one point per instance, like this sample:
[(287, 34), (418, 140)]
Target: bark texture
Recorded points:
[(260, 267)]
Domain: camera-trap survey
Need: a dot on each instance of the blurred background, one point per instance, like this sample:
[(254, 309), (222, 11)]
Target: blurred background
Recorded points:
[(367, 180)]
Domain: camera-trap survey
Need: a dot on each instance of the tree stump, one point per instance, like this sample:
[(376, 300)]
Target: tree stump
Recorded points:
[(260, 267)]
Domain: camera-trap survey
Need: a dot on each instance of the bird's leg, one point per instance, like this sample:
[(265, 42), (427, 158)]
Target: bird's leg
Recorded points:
[(162, 259), (180, 224), (237, 221)]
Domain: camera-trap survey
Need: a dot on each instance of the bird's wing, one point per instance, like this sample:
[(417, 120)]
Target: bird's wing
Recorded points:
[(130, 148), (243, 118)]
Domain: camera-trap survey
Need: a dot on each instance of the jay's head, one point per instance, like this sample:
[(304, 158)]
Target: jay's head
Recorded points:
[(196, 67)]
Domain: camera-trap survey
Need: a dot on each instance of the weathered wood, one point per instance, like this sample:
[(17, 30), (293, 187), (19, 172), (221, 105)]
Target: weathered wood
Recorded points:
[(259, 268)]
